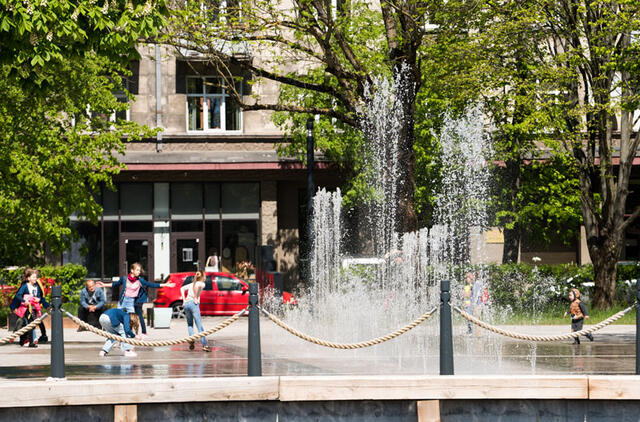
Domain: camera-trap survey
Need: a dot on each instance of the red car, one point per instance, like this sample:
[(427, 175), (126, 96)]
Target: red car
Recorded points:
[(223, 294)]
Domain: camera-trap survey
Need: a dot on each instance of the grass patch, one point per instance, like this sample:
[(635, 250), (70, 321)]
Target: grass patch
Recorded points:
[(553, 316)]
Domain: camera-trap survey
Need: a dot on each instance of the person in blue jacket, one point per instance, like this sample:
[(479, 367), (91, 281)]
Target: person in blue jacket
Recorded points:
[(119, 322), (134, 292), (92, 304), (30, 286)]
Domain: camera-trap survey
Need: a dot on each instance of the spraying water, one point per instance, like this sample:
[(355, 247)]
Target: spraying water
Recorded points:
[(395, 277)]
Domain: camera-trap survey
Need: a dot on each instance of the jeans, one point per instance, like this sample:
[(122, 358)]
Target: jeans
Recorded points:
[(105, 322), (127, 303), (138, 308), (90, 318), (192, 312)]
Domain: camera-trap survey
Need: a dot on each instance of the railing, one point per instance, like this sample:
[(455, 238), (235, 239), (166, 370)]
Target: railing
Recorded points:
[(254, 349)]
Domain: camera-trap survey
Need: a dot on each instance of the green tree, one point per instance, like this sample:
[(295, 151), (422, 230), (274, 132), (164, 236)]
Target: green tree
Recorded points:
[(61, 62), (575, 69), (337, 48), (36, 33)]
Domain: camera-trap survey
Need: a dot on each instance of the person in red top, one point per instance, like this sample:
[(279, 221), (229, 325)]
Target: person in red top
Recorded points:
[(578, 312)]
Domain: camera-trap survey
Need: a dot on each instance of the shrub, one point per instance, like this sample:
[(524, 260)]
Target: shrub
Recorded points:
[(70, 276), (526, 288)]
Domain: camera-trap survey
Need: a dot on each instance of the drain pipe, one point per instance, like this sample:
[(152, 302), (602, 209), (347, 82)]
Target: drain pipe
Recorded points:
[(446, 335), (158, 97)]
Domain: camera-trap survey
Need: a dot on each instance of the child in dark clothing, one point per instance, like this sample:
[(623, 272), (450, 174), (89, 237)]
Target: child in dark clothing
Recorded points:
[(579, 313)]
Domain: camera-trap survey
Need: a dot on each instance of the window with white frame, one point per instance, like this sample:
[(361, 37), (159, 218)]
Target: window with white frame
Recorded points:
[(210, 107)]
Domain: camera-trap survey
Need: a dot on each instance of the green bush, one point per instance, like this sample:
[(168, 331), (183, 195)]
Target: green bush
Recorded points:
[(70, 276), (530, 288)]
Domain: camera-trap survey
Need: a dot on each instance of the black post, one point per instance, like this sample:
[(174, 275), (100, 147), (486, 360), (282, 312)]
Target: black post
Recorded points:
[(57, 334), (254, 354), (310, 185), (446, 336), (638, 328), (310, 192)]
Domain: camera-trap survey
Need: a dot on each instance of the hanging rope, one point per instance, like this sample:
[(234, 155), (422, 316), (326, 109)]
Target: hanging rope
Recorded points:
[(24, 329), (359, 345), (157, 343), (567, 336)]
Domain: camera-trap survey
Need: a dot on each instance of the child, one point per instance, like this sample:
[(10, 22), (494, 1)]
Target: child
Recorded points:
[(191, 299), (134, 292), (579, 313), (117, 321), (29, 301)]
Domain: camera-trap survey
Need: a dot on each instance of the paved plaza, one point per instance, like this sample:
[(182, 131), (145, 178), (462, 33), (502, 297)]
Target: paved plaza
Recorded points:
[(613, 352)]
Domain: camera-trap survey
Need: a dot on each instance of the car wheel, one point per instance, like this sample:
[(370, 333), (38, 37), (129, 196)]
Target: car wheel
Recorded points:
[(177, 310)]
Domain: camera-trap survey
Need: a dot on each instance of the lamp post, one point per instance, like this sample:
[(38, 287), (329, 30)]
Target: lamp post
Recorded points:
[(310, 187)]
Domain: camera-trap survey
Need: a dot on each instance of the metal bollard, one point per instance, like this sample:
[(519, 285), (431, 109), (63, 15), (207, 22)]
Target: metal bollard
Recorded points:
[(57, 334), (638, 328), (446, 336), (253, 354)]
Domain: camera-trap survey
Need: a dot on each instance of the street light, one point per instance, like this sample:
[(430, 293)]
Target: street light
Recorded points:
[(310, 190)]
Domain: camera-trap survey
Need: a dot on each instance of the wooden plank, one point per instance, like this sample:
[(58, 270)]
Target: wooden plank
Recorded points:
[(130, 391), (429, 411), (614, 387), (125, 413), (432, 387)]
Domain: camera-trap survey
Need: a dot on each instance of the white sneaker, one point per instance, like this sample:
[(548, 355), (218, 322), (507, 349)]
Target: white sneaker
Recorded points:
[(143, 336), (102, 353), (130, 354)]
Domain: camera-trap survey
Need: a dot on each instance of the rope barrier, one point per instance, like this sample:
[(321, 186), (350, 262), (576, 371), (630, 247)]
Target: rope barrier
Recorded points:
[(359, 345), (24, 329), (518, 336), (157, 343)]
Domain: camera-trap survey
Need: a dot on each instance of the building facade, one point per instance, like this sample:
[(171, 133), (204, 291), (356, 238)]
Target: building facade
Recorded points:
[(210, 183)]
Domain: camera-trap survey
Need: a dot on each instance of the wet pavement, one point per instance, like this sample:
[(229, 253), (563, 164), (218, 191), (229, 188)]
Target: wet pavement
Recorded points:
[(613, 352)]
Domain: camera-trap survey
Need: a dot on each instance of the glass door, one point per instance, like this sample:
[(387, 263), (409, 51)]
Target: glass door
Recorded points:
[(187, 252), (137, 247)]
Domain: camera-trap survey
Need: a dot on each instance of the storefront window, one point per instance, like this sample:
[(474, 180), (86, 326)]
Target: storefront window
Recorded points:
[(186, 201), (136, 201), (186, 226), (111, 249), (212, 238), (212, 200), (85, 251), (242, 199), (239, 239), (109, 204)]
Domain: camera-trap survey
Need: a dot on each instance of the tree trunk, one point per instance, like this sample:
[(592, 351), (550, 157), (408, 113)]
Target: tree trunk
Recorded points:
[(605, 271), (407, 72), (406, 211), (511, 245)]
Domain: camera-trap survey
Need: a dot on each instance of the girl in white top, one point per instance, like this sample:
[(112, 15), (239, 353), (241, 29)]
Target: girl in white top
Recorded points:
[(191, 300)]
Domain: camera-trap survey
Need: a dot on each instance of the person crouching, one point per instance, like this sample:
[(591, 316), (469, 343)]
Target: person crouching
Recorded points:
[(117, 321)]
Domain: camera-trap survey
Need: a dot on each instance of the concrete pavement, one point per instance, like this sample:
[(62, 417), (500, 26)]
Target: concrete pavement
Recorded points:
[(613, 352)]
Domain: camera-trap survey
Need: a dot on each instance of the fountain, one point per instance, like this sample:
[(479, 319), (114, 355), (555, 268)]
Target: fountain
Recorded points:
[(395, 277)]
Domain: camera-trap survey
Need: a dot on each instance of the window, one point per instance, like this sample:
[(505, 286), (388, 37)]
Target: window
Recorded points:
[(228, 284), (210, 107), (208, 283), (221, 10)]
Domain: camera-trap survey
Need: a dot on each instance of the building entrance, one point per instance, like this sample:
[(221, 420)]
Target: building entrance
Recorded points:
[(137, 247), (187, 251)]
